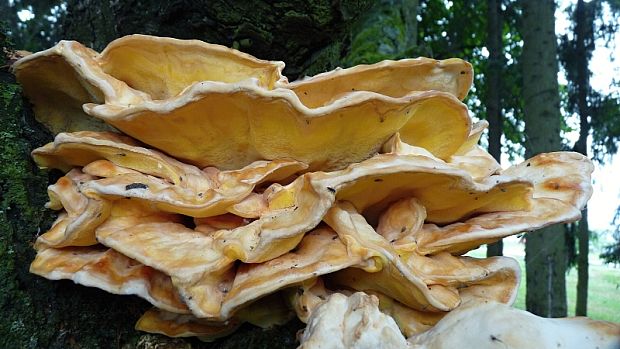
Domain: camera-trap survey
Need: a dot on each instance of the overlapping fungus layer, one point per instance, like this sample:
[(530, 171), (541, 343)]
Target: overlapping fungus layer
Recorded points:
[(200, 179)]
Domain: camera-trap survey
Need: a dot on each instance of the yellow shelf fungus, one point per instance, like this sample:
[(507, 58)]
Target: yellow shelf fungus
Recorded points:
[(200, 179), (228, 109)]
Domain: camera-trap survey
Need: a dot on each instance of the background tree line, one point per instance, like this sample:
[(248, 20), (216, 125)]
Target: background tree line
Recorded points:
[(512, 44)]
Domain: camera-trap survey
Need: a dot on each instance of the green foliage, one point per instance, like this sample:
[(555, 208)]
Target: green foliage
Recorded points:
[(6, 45), (611, 253), (460, 31), (603, 110), (605, 125)]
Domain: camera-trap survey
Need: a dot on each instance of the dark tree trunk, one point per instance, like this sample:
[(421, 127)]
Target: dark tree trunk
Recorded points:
[(583, 236), (388, 31), (409, 13), (311, 36), (493, 88), (583, 35), (545, 250)]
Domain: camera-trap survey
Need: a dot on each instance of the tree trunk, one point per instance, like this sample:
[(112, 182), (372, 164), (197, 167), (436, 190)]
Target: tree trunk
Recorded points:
[(545, 250), (37, 313), (409, 14), (493, 88), (311, 36), (583, 236), (388, 31), (582, 29)]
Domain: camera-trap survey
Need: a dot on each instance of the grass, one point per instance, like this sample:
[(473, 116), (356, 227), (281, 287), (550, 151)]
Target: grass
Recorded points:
[(603, 288)]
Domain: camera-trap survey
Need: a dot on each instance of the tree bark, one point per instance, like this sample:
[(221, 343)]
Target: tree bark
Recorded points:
[(409, 14), (493, 88), (545, 250), (311, 36), (583, 34), (388, 31), (583, 237)]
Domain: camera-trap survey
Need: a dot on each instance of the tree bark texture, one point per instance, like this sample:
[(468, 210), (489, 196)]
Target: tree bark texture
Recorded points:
[(583, 238), (409, 14), (493, 87), (388, 31), (545, 250), (311, 36), (583, 35)]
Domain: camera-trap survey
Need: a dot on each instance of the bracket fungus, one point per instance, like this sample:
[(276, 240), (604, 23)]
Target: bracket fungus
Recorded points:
[(200, 179)]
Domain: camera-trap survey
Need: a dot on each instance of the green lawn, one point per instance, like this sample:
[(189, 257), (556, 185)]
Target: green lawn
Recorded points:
[(604, 287)]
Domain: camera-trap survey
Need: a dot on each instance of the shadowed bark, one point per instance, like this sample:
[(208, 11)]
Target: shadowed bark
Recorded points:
[(545, 250), (493, 88), (583, 34), (310, 36)]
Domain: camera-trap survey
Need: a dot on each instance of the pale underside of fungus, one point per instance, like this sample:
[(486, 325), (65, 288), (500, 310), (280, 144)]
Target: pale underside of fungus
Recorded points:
[(357, 322), (200, 179)]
